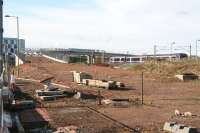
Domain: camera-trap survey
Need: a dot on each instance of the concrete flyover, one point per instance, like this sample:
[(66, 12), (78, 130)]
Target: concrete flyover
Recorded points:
[(91, 55)]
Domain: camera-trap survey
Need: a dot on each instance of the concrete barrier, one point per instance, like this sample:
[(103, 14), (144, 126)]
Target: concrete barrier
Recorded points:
[(100, 83), (84, 96), (187, 76), (48, 93), (173, 127), (54, 59), (50, 98)]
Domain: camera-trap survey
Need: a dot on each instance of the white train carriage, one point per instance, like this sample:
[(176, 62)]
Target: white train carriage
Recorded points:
[(127, 59), (142, 58)]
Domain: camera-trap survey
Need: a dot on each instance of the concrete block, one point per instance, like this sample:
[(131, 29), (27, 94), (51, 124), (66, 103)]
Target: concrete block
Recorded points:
[(92, 82), (46, 98), (107, 101), (187, 76), (50, 98), (85, 81), (103, 83), (169, 126), (48, 93), (80, 95), (99, 83), (77, 95), (173, 127), (120, 84), (79, 76), (185, 129)]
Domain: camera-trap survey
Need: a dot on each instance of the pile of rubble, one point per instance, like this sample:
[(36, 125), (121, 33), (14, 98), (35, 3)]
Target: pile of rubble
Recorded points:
[(50, 92)]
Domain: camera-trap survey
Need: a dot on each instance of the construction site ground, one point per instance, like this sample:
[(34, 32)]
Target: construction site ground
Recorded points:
[(161, 98)]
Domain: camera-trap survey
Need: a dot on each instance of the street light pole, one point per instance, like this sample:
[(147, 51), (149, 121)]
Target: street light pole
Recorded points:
[(17, 45), (18, 41)]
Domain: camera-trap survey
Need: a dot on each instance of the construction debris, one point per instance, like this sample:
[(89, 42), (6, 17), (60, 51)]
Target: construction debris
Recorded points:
[(99, 83), (187, 76), (50, 98), (40, 130), (79, 76), (80, 95), (107, 101), (173, 127), (177, 112), (48, 84), (121, 103), (103, 84), (69, 129), (48, 93), (185, 114), (77, 95), (86, 79)]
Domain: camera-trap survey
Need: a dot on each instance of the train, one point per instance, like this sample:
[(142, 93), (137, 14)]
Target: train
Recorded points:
[(143, 58)]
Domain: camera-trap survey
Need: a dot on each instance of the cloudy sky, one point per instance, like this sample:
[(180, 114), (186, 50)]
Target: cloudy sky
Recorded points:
[(112, 25)]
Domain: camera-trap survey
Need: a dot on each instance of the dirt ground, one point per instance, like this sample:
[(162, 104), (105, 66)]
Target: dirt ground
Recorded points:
[(72, 112), (161, 98)]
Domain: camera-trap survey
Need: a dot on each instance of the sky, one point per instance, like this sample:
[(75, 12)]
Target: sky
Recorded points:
[(133, 26)]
